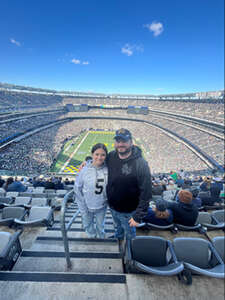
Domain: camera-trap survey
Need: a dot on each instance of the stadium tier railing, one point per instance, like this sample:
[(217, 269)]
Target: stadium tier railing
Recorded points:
[(65, 227)]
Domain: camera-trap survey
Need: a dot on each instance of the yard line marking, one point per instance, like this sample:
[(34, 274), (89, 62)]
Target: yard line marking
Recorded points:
[(73, 153)]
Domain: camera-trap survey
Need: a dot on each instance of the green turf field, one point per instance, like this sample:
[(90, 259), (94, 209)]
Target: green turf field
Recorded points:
[(75, 151)]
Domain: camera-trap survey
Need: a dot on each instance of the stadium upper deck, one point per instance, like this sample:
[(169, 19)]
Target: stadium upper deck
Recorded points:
[(39, 150), (210, 95)]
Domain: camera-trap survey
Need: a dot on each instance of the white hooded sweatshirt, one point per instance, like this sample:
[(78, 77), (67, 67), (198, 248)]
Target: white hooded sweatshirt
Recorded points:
[(90, 188)]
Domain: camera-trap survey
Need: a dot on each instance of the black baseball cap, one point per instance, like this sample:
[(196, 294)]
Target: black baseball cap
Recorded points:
[(161, 205), (123, 134)]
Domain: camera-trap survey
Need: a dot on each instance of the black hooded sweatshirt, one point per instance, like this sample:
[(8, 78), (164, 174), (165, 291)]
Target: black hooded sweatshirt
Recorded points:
[(129, 185), (184, 213)]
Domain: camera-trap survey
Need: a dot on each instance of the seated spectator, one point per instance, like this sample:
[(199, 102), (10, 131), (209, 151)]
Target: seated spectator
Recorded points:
[(174, 175), (37, 182), (184, 211), (59, 184), (157, 188), (67, 182), (14, 186), (171, 185), (2, 181), (205, 185), (182, 174), (188, 181), (215, 188), (180, 181), (49, 184), (196, 199), (159, 214)]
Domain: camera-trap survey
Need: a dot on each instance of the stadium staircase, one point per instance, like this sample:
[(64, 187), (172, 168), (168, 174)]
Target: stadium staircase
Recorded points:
[(96, 262)]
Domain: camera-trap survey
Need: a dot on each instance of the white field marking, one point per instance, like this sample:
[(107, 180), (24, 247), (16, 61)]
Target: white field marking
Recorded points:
[(70, 145), (73, 153)]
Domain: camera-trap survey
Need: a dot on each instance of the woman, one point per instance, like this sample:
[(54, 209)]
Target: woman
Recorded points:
[(90, 190)]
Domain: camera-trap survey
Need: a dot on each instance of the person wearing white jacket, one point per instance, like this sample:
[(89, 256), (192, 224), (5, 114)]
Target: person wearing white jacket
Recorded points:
[(90, 191)]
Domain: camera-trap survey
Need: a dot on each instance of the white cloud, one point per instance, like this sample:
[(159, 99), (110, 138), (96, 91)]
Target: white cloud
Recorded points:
[(13, 41), (75, 61), (156, 28), (129, 50), (79, 62)]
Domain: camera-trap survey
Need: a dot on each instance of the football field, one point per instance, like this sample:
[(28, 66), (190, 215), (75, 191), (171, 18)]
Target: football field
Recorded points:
[(75, 150)]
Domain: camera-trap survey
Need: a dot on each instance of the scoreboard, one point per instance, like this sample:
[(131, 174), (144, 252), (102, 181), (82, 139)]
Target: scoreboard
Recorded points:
[(77, 108), (143, 110)]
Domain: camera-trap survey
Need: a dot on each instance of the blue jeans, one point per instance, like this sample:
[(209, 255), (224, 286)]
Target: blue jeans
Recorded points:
[(122, 225), (91, 230)]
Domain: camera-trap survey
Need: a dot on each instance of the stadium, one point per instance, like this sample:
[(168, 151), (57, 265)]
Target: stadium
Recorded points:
[(47, 134)]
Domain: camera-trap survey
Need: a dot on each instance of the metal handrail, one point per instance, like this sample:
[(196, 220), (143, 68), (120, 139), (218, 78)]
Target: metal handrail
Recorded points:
[(65, 228)]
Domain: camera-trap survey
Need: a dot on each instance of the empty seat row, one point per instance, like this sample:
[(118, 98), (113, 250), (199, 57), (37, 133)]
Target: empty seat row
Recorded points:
[(24, 201), (10, 249), (182, 257), (34, 192), (35, 216)]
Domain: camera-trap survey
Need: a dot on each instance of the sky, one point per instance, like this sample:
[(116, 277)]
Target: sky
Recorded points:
[(113, 46)]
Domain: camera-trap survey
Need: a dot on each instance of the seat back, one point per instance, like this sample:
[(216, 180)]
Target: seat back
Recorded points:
[(219, 215), (204, 217), (22, 200), (12, 194), (169, 194), (61, 192), (149, 250), (6, 200), (218, 243), (13, 212), (192, 250), (203, 195), (2, 192), (39, 189), (5, 238), (39, 202), (39, 213)]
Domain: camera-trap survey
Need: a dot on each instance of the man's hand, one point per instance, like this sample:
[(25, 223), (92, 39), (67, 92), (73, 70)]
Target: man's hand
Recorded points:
[(82, 165), (133, 223)]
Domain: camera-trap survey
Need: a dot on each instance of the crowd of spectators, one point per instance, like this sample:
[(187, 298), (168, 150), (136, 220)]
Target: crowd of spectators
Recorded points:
[(35, 154), (213, 111), (10, 128), (19, 99), (177, 197), (15, 184)]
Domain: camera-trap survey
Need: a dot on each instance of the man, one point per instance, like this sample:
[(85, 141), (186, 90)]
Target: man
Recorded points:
[(129, 188), (184, 211)]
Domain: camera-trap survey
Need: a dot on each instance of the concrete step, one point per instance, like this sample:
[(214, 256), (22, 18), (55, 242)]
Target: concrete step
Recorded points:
[(79, 225), (74, 245), (57, 221), (82, 262), (70, 234), (78, 218), (59, 286), (77, 229)]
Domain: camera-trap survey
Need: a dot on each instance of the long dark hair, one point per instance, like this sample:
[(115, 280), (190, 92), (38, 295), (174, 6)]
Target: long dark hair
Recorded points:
[(99, 146), (8, 182)]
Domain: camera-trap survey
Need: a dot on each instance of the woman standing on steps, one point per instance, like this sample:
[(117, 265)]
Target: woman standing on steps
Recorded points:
[(90, 191)]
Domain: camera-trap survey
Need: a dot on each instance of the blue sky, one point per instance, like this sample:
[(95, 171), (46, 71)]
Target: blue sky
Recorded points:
[(117, 46)]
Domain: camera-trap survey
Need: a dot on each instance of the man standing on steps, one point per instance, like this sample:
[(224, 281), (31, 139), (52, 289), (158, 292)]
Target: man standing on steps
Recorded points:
[(129, 188)]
